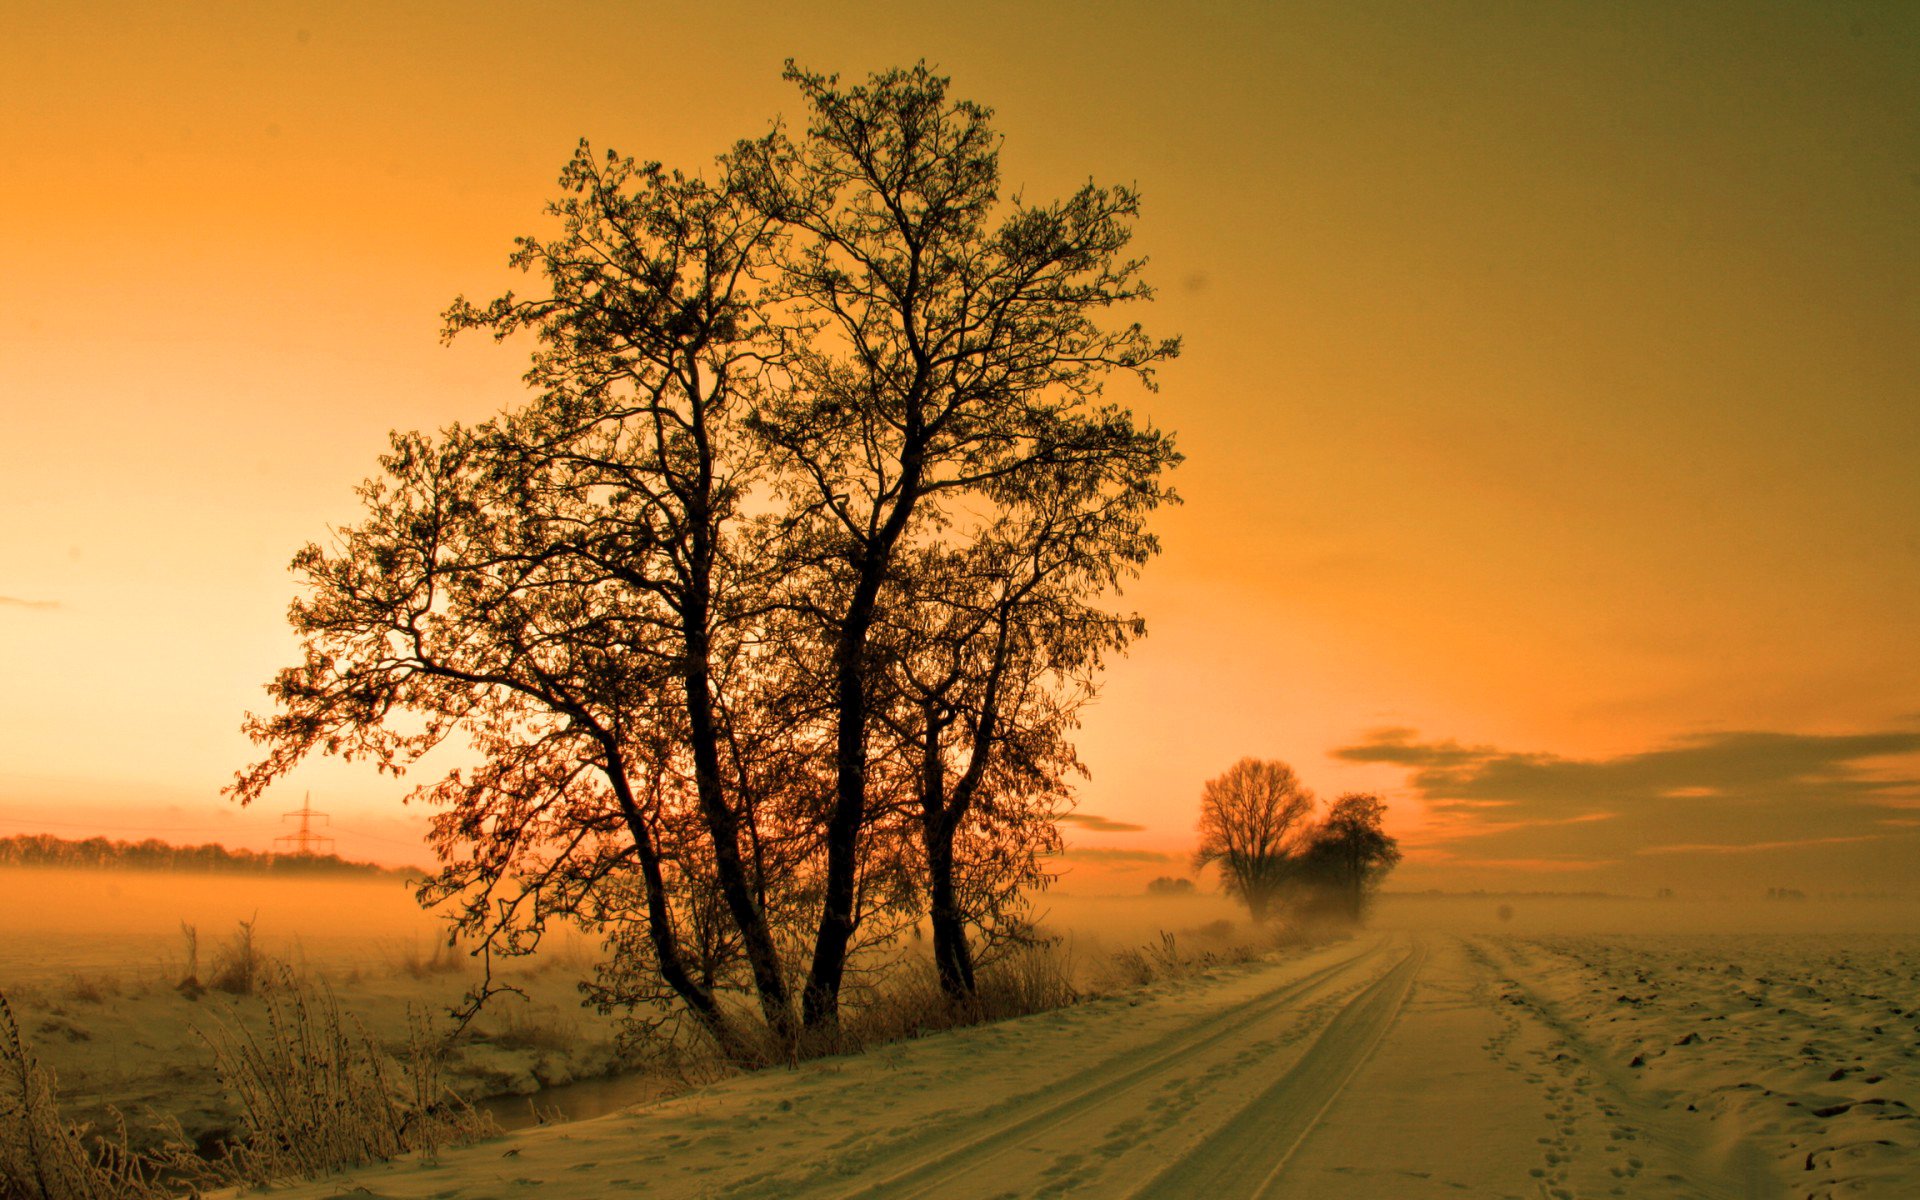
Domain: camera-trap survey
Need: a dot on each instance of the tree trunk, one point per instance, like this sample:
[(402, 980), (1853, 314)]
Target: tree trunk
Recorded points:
[(769, 980), (952, 956), (660, 932), (1256, 898), (820, 1006), (939, 821), (749, 915)]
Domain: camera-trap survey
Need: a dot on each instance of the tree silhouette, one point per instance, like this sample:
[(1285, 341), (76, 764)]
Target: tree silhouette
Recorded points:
[(766, 616), (1253, 820), (994, 648), (1349, 852), (944, 349), (560, 586)]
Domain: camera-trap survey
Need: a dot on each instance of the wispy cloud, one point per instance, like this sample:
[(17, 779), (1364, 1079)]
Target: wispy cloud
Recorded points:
[(1112, 855), (1550, 866), (1100, 824), (1752, 847), (1709, 794), (17, 602)]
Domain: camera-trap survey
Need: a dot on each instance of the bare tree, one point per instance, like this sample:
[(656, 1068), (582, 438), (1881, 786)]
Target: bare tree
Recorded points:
[(653, 354), (561, 586), (995, 647), (1253, 820), (784, 424), (1349, 852), (941, 343)]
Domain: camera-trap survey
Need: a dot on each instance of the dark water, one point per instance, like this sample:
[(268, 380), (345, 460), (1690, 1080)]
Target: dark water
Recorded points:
[(575, 1101)]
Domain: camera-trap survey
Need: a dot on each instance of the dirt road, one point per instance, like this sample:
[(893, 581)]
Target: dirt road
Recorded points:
[(1391, 1065), (1403, 1068)]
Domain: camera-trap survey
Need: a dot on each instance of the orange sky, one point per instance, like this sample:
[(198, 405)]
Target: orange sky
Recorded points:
[(1549, 394)]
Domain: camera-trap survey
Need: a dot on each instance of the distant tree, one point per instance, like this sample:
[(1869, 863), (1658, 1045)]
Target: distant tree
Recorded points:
[(1349, 852), (44, 850), (1168, 885), (1252, 821)]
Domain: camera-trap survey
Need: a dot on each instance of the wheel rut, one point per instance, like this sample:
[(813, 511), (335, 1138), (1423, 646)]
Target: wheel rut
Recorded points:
[(996, 1145), (1249, 1153)]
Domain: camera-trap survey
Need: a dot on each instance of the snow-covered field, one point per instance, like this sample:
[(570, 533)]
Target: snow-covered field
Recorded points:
[(1466, 1047), (90, 961), (1397, 1064)]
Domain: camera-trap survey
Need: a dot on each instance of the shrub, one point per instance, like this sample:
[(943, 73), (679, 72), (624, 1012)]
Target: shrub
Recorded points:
[(315, 1098), (238, 964), (190, 985), (444, 959), (45, 1157)]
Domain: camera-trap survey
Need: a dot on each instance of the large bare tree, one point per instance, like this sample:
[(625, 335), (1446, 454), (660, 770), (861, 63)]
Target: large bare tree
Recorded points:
[(562, 586), (796, 431), (1253, 822), (942, 342)]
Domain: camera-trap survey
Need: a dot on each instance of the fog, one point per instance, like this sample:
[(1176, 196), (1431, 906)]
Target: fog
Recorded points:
[(104, 922), (87, 922)]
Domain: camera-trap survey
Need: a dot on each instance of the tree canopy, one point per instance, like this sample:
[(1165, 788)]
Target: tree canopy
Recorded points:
[(1349, 851), (766, 617), (1252, 821)]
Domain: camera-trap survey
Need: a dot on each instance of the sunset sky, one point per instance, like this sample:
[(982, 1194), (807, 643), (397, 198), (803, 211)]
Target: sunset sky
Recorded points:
[(1551, 394)]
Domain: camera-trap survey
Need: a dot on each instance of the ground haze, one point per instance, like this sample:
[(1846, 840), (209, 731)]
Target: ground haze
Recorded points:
[(1516, 1045)]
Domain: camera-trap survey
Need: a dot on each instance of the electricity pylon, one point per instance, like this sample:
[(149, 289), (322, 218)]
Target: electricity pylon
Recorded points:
[(304, 841)]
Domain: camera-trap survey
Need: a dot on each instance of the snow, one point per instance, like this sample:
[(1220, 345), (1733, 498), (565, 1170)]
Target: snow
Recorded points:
[(1401, 1064)]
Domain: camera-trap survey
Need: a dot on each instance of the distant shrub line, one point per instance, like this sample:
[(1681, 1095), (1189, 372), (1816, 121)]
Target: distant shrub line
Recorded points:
[(45, 850)]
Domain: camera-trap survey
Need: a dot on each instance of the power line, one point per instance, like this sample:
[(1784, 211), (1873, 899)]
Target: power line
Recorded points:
[(31, 824), (96, 827)]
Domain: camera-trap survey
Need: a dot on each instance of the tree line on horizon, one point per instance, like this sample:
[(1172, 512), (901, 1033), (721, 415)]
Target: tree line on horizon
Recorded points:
[(766, 619), (152, 854)]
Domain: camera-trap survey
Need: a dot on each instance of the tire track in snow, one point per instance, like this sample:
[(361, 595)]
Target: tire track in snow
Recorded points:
[(927, 1164), (1246, 1156)]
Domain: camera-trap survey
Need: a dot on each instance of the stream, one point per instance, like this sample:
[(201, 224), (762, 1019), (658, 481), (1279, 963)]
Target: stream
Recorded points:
[(577, 1101)]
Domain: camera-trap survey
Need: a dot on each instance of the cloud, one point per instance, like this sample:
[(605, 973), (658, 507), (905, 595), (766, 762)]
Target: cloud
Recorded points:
[(17, 602), (1752, 847), (1100, 824), (1111, 855), (1534, 865), (1715, 794)]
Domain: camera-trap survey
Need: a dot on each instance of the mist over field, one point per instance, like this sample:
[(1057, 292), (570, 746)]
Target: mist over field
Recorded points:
[(804, 602), (127, 923), (1608, 994)]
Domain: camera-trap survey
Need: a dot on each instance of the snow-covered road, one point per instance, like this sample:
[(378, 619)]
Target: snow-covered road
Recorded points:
[(1392, 1065)]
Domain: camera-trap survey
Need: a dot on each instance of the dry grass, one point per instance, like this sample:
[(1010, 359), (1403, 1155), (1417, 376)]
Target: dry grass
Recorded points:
[(189, 984), (523, 1026), (45, 1157), (443, 959), (315, 1097), (897, 1002), (1206, 948), (91, 989), (238, 965)]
